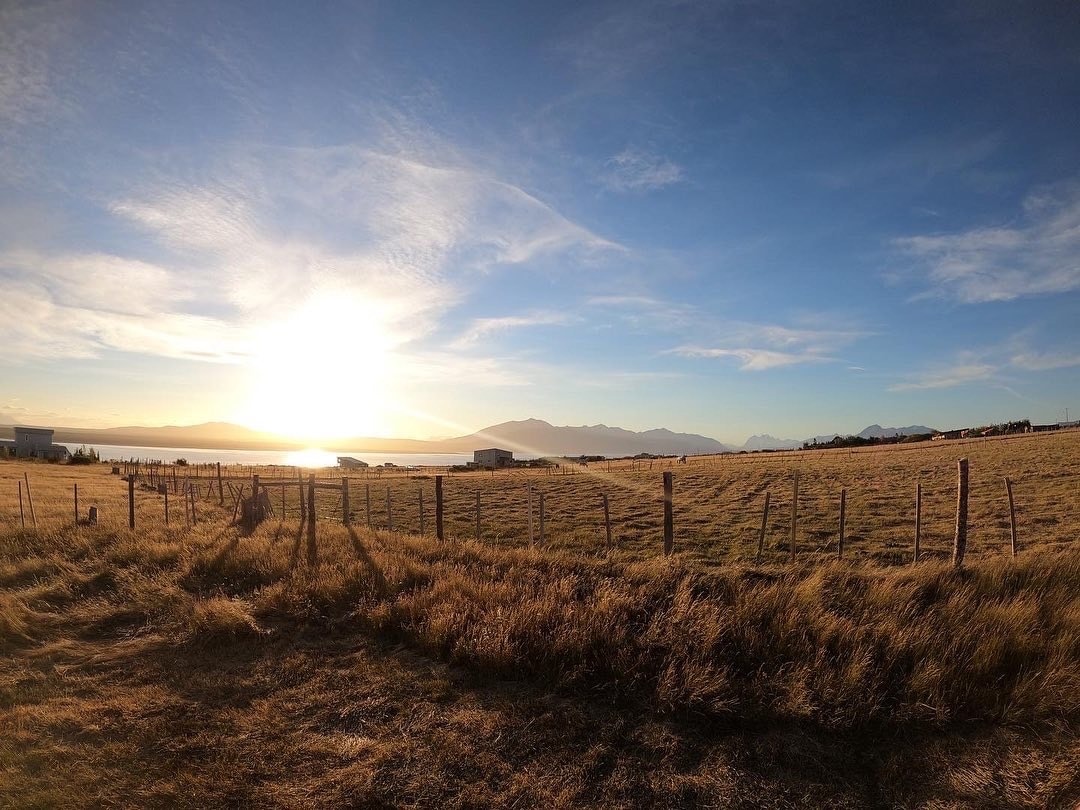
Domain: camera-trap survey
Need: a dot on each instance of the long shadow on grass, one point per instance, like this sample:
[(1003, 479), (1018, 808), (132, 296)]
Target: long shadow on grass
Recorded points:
[(368, 561), (230, 547), (294, 555)]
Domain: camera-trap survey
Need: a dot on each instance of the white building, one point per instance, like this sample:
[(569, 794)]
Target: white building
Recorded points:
[(31, 442), (493, 457)]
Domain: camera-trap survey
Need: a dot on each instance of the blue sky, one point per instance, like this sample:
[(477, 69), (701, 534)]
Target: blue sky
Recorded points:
[(422, 218)]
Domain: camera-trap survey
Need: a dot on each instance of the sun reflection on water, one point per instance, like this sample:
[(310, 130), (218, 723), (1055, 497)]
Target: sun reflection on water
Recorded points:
[(311, 458)]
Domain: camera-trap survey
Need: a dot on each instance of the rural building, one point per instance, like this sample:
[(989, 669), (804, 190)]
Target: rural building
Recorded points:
[(33, 442), (947, 434), (493, 457), (350, 463)]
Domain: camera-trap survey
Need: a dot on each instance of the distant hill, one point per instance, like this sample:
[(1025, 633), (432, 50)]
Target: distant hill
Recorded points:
[(532, 437), (210, 435), (526, 437), (767, 442), (878, 432), (537, 437)]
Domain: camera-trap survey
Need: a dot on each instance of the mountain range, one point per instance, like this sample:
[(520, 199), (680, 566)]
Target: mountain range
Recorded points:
[(527, 437)]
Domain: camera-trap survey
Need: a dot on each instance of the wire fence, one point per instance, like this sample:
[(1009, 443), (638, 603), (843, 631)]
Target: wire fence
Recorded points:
[(713, 518)]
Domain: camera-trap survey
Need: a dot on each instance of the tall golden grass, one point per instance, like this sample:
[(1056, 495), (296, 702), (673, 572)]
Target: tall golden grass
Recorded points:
[(203, 665)]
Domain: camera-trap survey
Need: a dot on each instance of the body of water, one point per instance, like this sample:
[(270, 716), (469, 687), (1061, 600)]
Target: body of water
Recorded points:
[(312, 457)]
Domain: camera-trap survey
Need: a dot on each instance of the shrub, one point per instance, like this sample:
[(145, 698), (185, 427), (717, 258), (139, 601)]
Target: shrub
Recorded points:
[(84, 456)]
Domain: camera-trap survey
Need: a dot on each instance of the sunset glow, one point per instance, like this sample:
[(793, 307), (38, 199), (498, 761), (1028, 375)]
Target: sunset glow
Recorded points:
[(322, 371)]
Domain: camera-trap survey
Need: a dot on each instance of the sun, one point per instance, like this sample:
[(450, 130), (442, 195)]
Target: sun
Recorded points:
[(323, 371)]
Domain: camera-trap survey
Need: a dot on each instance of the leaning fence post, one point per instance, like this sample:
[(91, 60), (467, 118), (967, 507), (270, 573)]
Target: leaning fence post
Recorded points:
[(960, 538), (918, 521), (843, 509), (669, 518), (1012, 515), (438, 507), (345, 501), (166, 506), (607, 520), (221, 492), (30, 497), (131, 501), (764, 526)]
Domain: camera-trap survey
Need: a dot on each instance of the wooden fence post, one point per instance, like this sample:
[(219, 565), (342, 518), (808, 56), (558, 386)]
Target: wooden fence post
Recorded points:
[(191, 495), (30, 498), (669, 517), (131, 501), (960, 538), (310, 507), (1012, 515), (477, 516), (166, 506), (764, 526), (607, 520), (530, 514), (76, 486), (541, 517), (256, 508), (345, 501), (300, 492), (22, 515), (843, 509), (221, 492), (438, 508), (794, 512), (918, 521)]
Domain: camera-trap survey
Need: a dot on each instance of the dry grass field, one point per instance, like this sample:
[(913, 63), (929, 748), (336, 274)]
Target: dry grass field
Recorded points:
[(202, 665), (719, 499)]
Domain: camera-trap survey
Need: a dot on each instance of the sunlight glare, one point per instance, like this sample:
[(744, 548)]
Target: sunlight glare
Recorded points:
[(323, 371)]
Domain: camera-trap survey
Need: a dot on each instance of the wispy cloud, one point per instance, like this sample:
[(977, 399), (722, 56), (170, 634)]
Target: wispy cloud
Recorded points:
[(29, 36), (638, 170), (1009, 364), (948, 377), (763, 346), (1038, 256), (754, 359), (1045, 361), (484, 327), (642, 311), (274, 230)]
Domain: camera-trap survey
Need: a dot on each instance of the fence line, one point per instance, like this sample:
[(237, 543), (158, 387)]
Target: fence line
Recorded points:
[(807, 518)]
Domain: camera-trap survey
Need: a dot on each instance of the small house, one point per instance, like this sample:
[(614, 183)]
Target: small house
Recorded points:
[(493, 458), (31, 442), (350, 463)]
